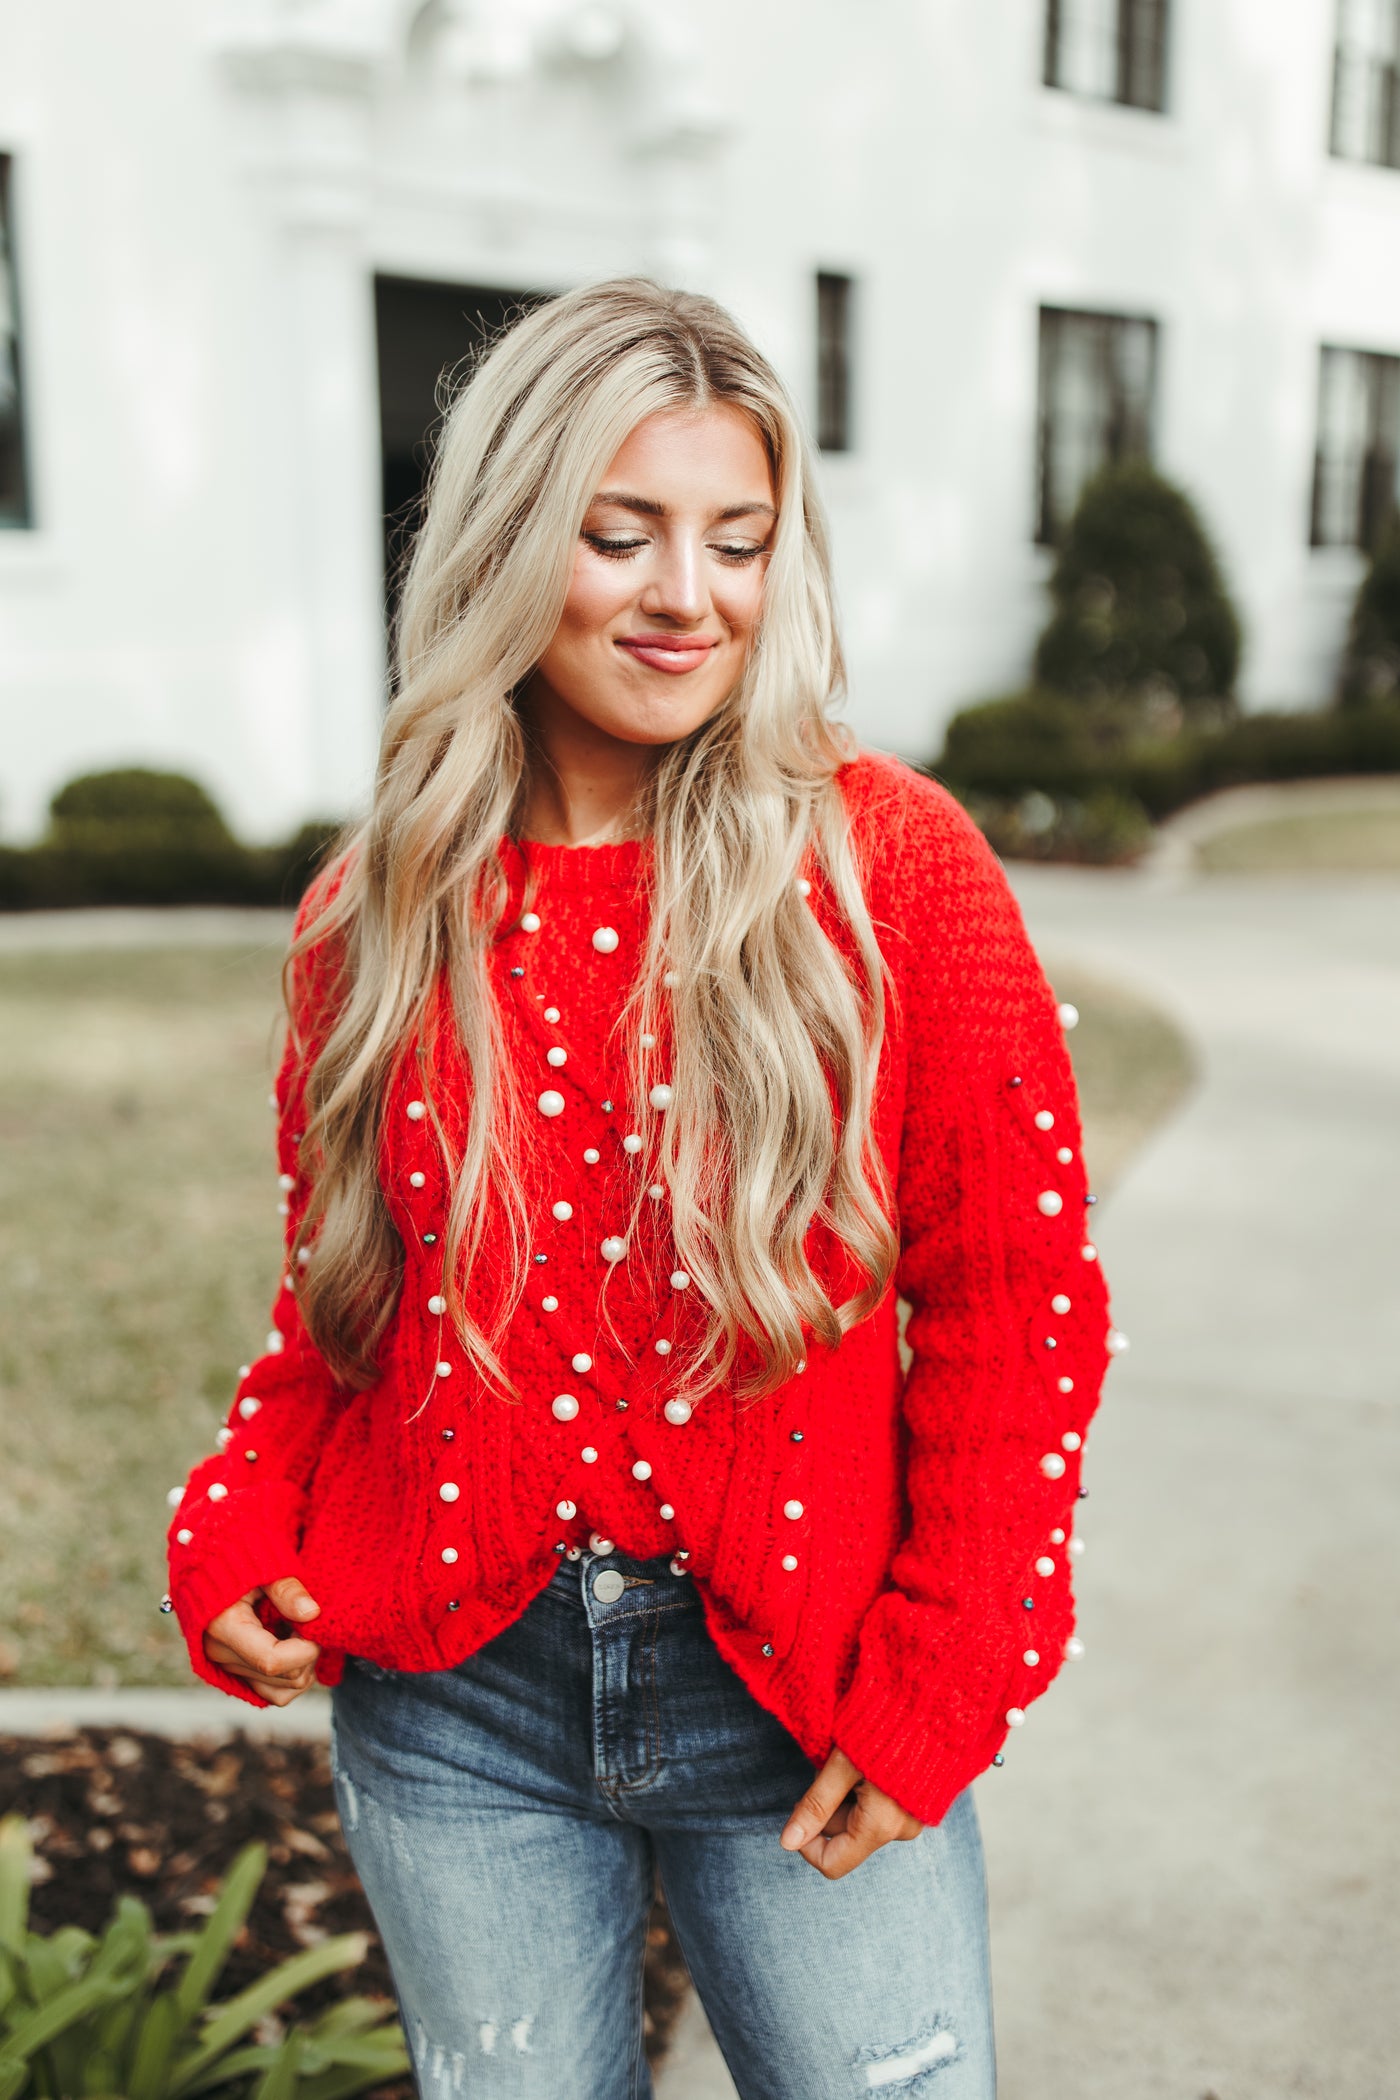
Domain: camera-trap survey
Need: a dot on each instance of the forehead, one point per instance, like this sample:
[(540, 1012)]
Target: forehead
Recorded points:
[(696, 453)]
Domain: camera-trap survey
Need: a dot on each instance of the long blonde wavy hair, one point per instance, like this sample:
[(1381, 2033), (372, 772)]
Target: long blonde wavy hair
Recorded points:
[(775, 1031)]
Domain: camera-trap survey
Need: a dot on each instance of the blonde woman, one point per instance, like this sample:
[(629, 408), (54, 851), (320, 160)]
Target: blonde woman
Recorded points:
[(646, 1039)]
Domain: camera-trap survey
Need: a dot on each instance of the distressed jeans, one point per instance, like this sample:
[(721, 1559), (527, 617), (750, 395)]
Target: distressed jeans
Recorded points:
[(506, 1819)]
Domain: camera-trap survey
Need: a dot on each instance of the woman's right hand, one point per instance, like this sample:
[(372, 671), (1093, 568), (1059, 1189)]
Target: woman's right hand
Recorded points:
[(278, 1670)]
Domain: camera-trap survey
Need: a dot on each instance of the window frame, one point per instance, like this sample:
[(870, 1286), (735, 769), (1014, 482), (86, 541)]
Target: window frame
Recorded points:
[(1141, 35), (1378, 461), (1048, 530), (834, 421), (1354, 66), (17, 513)]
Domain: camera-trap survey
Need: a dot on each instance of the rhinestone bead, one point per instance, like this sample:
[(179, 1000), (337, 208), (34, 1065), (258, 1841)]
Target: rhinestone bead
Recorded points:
[(605, 939), (551, 1103), (767, 1647), (563, 1407)]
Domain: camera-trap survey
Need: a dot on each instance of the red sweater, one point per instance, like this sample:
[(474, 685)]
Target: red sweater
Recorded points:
[(884, 1559)]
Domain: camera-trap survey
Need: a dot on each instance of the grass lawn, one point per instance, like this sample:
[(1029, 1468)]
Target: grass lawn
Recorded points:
[(1336, 841), (139, 1252)]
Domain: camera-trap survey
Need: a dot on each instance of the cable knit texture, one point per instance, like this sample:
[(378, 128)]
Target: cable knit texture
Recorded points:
[(883, 1557)]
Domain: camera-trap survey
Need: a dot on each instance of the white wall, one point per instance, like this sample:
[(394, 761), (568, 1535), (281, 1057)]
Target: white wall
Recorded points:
[(203, 195)]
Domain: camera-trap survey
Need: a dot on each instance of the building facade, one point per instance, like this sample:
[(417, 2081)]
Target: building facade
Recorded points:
[(990, 243)]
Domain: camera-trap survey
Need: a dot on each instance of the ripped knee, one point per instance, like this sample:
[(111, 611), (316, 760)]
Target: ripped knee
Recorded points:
[(443, 2071), (911, 2066)]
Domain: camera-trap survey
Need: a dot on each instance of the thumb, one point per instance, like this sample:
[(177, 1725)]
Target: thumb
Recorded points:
[(820, 1802), (292, 1598)]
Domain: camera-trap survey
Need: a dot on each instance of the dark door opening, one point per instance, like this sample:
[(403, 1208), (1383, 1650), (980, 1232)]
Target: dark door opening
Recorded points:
[(424, 330)]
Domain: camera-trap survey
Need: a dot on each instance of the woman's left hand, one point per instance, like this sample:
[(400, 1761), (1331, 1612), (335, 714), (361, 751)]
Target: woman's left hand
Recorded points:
[(834, 1834)]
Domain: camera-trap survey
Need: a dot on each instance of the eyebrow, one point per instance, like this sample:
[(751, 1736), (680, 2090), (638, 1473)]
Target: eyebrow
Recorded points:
[(645, 507)]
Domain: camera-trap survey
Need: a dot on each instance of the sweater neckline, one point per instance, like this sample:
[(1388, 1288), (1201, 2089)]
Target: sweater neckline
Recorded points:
[(613, 861)]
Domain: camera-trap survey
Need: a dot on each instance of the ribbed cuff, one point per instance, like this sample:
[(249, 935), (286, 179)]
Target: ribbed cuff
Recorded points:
[(911, 1755), (207, 1579)]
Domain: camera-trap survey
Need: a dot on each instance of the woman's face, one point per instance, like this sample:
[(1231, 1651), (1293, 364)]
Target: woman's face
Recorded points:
[(667, 581)]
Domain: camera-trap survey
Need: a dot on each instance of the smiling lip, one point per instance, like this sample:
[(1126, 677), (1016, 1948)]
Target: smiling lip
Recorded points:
[(668, 652)]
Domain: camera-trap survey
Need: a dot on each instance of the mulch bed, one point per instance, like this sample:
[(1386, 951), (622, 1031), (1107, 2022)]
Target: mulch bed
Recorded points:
[(112, 1811)]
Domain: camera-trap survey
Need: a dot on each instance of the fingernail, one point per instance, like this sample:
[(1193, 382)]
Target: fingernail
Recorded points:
[(304, 1608), (793, 1837)]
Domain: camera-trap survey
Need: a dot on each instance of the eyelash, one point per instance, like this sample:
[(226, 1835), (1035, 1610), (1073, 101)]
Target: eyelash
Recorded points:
[(623, 550)]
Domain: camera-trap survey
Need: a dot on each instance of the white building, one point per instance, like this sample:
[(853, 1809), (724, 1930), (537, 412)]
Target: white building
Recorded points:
[(241, 239)]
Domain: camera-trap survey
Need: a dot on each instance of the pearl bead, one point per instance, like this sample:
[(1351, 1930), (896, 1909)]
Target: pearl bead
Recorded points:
[(564, 1407), (1075, 1547), (551, 1014), (1071, 1440), (678, 1567), (598, 1544), (1052, 1465), (416, 1111), (1044, 1120), (660, 1097), (1059, 1303), (249, 1407), (449, 1491), (287, 1182), (605, 939), (1049, 1202), (582, 1361), (551, 1103), (556, 1057), (663, 1347), (183, 1537), (566, 1510), (562, 1211), (613, 1248), (1116, 1343), (677, 1411), (529, 922), (449, 1554), (223, 1440), (1065, 1385), (804, 887), (589, 1455), (1069, 1015), (648, 1042), (444, 1370), (1015, 1715), (275, 1343), (1074, 1648), (1057, 1537), (1089, 1252), (656, 1192), (437, 1304), (792, 1509), (549, 1305), (641, 1469), (789, 1561), (666, 1512), (1045, 1566), (416, 1180), (1031, 1658), (217, 1491), (590, 1156), (680, 1279), (1065, 1154), (631, 1143), (669, 979)]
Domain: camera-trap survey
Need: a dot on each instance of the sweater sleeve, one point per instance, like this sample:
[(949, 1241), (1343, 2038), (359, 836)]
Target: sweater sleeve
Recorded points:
[(239, 1523), (1008, 1333)]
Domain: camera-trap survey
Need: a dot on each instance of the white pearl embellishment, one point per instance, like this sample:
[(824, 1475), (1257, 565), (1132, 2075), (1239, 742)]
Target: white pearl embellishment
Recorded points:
[(556, 1057), (641, 1469), (444, 1370), (549, 1305), (449, 1554), (1057, 1537), (648, 1042), (1064, 1155), (666, 1512), (1069, 1015), (1044, 1120), (660, 1097), (562, 1211), (563, 1407), (449, 1491), (789, 1561), (1116, 1342), (1052, 1465), (1059, 1303), (551, 1014), (792, 1509), (590, 1157), (631, 1143), (589, 1455), (1031, 1658), (566, 1510), (605, 939), (529, 922), (182, 1538), (1074, 1648), (677, 1411), (663, 1347), (437, 1304), (680, 1280), (1049, 1202), (582, 1362), (804, 887), (1045, 1566), (598, 1544), (1015, 1715), (416, 1111), (613, 1248), (217, 1491), (1065, 1385), (249, 1407), (551, 1103), (1071, 1440), (1089, 1252), (416, 1180)]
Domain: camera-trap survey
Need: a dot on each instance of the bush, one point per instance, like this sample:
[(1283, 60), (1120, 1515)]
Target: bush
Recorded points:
[(134, 836), (112, 2016), (1103, 828), (1142, 612), (1370, 672)]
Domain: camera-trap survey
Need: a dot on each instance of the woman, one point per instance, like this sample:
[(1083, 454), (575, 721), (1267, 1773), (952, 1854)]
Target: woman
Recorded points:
[(646, 1038)]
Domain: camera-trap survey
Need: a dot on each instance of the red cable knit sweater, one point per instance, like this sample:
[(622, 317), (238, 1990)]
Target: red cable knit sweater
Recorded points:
[(884, 1559)]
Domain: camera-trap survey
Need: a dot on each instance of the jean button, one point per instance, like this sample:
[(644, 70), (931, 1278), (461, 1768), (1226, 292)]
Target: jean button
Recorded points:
[(608, 1586)]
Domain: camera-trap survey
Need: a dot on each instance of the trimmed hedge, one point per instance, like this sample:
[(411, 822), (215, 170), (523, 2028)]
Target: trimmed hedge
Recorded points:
[(135, 836), (1370, 671)]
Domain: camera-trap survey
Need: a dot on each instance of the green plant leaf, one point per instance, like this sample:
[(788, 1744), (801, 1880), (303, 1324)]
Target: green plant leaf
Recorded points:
[(224, 1924), (350, 2016), (13, 2075), (341, 2084), (155, 2050), (15, 1854), (280, 2083), (65, 2009), (227, 2023)]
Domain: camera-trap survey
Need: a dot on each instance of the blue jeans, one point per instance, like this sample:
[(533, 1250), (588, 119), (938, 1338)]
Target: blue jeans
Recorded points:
[(506, 1818)]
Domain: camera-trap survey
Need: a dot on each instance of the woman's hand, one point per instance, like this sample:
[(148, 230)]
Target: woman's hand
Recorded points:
[(239, 1643), (834, 1834)]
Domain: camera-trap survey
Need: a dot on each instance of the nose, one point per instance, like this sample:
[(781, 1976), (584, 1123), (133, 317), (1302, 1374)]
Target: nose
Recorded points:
[(676, 589)]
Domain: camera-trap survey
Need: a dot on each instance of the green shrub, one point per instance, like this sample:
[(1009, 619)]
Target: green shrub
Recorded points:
[(1103, 828), (1142, 613), (130, 2014), (1370, 672)]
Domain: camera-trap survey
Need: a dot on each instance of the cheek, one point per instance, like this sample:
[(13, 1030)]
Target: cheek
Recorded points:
[(738, 599), (598, 593)]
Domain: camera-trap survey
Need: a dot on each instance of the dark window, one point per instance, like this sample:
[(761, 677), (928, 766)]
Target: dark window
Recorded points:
[(14, 481), (1097, 378), (835, 299), (1356, 469), (425, 332), (1115, 50), (1366, 82)]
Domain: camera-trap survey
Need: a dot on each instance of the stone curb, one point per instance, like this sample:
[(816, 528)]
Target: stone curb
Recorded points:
[(156, 1710)]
